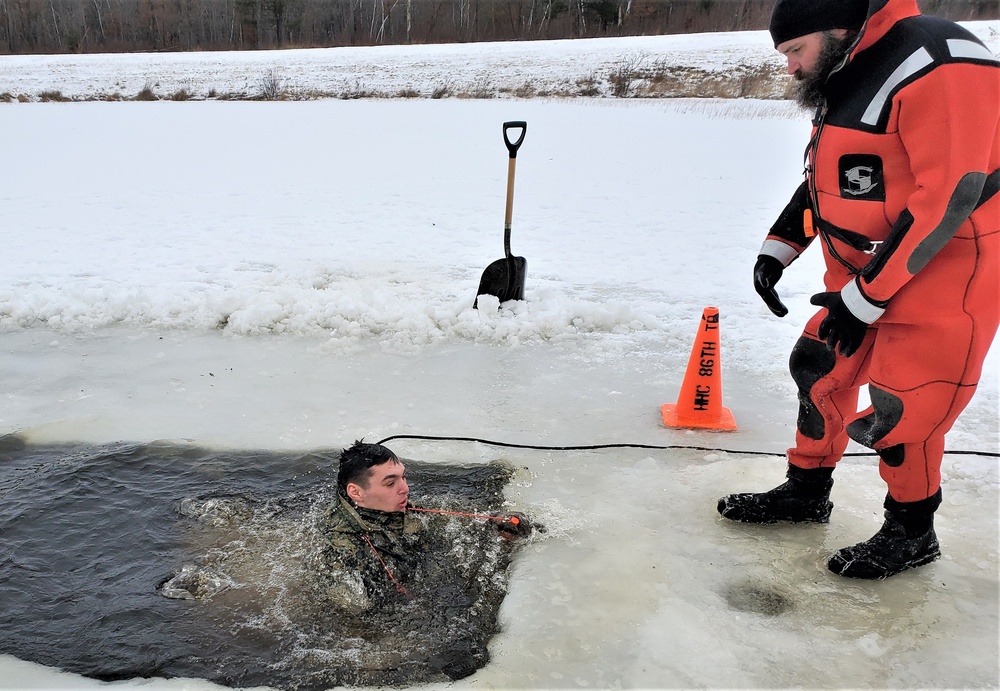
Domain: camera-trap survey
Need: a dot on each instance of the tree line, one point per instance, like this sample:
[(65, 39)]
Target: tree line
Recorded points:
[(90, 26)]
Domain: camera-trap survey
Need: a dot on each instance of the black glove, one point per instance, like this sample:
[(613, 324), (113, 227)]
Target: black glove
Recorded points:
[(840, 329), (514, 524), (766, 274)]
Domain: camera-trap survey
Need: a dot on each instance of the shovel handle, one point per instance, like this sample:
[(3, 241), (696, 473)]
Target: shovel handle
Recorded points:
[(513, 146)]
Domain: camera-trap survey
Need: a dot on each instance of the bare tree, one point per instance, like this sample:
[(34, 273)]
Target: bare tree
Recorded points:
[(8, 26)]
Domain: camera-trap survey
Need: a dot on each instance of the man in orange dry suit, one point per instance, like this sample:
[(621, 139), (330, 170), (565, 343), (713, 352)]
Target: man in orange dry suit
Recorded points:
[(902, 174)]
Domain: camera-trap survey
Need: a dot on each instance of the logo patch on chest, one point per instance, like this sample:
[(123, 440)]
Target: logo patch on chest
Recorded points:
[(861, 177)]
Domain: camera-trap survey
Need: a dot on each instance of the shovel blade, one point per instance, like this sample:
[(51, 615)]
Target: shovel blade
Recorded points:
[(504, 278)]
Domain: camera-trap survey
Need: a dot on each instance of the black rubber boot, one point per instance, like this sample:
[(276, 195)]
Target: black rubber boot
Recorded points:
[(804, 498), (906, 540)]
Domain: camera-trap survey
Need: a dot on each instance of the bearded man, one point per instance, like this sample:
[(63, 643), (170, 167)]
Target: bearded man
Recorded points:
[(901, 181)]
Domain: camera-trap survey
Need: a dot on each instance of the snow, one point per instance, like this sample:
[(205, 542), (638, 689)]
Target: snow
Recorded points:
[(546, 65), (292, 275)]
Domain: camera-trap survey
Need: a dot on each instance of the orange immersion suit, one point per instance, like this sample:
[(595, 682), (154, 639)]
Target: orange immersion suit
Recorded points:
[(902, 180)]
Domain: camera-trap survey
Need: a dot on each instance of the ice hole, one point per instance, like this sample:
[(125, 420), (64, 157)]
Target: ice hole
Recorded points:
[(162, 560)]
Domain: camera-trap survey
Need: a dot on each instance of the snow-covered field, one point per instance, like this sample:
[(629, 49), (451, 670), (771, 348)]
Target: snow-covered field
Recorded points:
[(554, 67), (294, 275)]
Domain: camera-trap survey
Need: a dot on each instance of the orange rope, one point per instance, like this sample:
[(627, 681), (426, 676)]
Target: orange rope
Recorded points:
[(457, 513), (378, 556), (513, 520)]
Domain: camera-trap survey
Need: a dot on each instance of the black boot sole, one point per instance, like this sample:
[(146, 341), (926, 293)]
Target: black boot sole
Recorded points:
[(841, 565), (737, 507)]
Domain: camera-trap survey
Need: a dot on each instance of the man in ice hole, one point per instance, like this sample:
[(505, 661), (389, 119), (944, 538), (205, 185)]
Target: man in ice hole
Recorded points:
[(373, 542)]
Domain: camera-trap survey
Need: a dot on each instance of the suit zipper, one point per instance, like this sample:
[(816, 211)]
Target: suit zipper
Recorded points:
[(819, 122)]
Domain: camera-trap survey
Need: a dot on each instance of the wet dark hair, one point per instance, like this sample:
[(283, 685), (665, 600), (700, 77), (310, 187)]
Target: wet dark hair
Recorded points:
[(358, 460)]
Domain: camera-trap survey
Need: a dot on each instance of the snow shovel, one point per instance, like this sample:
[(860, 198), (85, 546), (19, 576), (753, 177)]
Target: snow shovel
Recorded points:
[(504, 278)]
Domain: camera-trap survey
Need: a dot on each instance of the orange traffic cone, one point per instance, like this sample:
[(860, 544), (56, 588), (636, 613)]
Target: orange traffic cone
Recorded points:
[(699, 404)]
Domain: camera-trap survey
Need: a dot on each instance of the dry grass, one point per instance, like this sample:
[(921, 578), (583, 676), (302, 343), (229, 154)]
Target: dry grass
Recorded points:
[(589, 86), (746, 81), (359, 90), (526, 90), (481, 89), (146, 94), (634, 76), (53, 97), (271, 87), (625, 74)]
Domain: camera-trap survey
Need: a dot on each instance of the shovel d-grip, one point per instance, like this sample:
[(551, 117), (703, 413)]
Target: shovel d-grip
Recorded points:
[(513, 146)]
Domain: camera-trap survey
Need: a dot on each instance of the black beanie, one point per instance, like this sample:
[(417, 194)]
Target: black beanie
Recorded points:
[(794, 18)]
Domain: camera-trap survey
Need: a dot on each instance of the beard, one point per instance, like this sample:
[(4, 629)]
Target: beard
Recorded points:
[(808, 89)]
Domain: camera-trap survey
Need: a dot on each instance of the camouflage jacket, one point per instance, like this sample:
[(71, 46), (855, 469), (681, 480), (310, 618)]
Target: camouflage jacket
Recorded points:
[(363, 555)]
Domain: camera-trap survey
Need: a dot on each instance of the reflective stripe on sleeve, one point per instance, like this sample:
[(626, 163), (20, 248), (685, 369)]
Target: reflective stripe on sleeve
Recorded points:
[(785, 254), (858, 303)]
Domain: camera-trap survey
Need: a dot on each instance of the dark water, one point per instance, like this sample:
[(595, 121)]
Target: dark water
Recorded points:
[(90, 535)]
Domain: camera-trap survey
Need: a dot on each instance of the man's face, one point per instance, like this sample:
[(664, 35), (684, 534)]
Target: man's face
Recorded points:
[(811, 59), (802, 54), (387, 489)]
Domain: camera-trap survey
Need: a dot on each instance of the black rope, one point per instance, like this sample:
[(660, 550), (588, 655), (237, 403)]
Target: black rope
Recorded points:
[(668, 447)]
